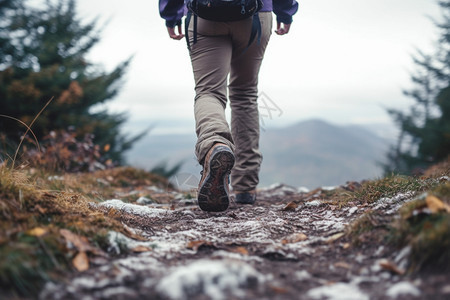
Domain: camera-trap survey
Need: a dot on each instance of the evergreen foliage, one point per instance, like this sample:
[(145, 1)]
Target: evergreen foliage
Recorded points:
[(425, 130), (43, 56)]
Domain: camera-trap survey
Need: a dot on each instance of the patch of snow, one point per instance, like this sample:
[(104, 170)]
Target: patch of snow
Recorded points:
[(55, 178), (278, 189), (352, 210), (236, 256), (139, 263), (302, 275), (313, 203), (329, 221), (402, 258), (300, 248), (444, 178), (329, 188), (215, 279), (85, 282), (134, 209), (156, 189), (376, 266), (338, 291), (403, 254), (360, 258), (403, 288), (144, 201), (379, 251), (303, 189), (364, 279), (392, 204), (117, 241), (118, 292)]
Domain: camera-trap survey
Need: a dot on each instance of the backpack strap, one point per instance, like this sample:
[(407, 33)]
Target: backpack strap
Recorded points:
[(189, 15), (256, 30)]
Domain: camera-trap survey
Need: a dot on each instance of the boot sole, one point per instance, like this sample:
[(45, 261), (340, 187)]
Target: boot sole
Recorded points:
[(213, 193)]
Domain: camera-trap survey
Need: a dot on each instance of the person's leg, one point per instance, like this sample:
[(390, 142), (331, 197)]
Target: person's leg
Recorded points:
[(243, 94), (211, 57)]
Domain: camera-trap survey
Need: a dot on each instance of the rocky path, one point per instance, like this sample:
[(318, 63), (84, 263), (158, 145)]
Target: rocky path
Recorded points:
[(290, 245)]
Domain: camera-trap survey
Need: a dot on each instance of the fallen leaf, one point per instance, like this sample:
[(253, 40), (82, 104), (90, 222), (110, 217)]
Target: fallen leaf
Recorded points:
[(194, 245), (335, 237), (81, 262), (141, 248), (294, 238), (291, 206), (38, 231), (130, 233), (342, 264), (240, 250), (278, 289), (346, 245), (436, 205), (81, 243), (40, 209), (391, 267)]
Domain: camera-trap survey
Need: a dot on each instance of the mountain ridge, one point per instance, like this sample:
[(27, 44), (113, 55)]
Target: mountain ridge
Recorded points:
[(309, 153)]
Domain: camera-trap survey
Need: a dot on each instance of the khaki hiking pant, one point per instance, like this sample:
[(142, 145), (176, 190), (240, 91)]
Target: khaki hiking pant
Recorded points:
[(221, 67)]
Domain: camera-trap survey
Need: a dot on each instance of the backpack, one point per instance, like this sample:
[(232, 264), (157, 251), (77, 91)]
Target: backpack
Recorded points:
[(224, 11)]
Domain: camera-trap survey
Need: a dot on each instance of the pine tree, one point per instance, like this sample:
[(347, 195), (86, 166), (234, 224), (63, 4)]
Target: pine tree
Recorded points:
[(43, 56), (425, 130)]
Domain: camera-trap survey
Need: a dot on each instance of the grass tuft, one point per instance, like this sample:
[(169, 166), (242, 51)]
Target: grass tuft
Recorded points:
[(35, 205), (417, 224)]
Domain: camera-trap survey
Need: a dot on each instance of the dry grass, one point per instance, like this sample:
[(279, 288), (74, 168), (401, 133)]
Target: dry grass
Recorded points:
[(35, 206), (426, 232)]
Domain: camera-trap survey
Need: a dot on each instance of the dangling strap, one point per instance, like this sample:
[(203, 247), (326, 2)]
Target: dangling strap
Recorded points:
[(186, 28), (195, 28), (256, 30)]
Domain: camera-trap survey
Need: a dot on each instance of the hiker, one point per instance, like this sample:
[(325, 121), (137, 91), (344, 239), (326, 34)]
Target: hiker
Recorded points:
[(226, 52)]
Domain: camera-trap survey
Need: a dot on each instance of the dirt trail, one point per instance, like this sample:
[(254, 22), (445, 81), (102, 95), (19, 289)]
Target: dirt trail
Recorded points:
[(276, 249)]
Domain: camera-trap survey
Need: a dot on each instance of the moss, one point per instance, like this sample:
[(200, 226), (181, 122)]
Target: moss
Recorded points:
[(426, 233)]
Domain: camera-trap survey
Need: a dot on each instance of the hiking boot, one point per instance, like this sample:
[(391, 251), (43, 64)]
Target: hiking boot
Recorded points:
[(246, 197), (213, 188)]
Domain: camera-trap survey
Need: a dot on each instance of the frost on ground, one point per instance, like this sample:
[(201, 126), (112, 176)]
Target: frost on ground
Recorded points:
[(211, 278), (268, 251)]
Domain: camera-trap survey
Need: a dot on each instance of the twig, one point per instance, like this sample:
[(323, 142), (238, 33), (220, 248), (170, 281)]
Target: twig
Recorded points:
[(23, 123), (28, 129)]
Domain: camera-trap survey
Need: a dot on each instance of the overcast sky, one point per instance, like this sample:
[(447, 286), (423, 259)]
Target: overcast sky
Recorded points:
[(343, 61)]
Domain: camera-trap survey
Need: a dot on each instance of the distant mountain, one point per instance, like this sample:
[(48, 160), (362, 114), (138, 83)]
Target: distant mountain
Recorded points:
[(315, 153), (311, 153)]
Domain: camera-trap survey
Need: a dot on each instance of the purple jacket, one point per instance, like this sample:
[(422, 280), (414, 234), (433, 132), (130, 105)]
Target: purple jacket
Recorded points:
[(173, 10)]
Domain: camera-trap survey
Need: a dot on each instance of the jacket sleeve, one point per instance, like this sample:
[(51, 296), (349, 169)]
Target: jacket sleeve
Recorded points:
[(172, 11), (284, 10)]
